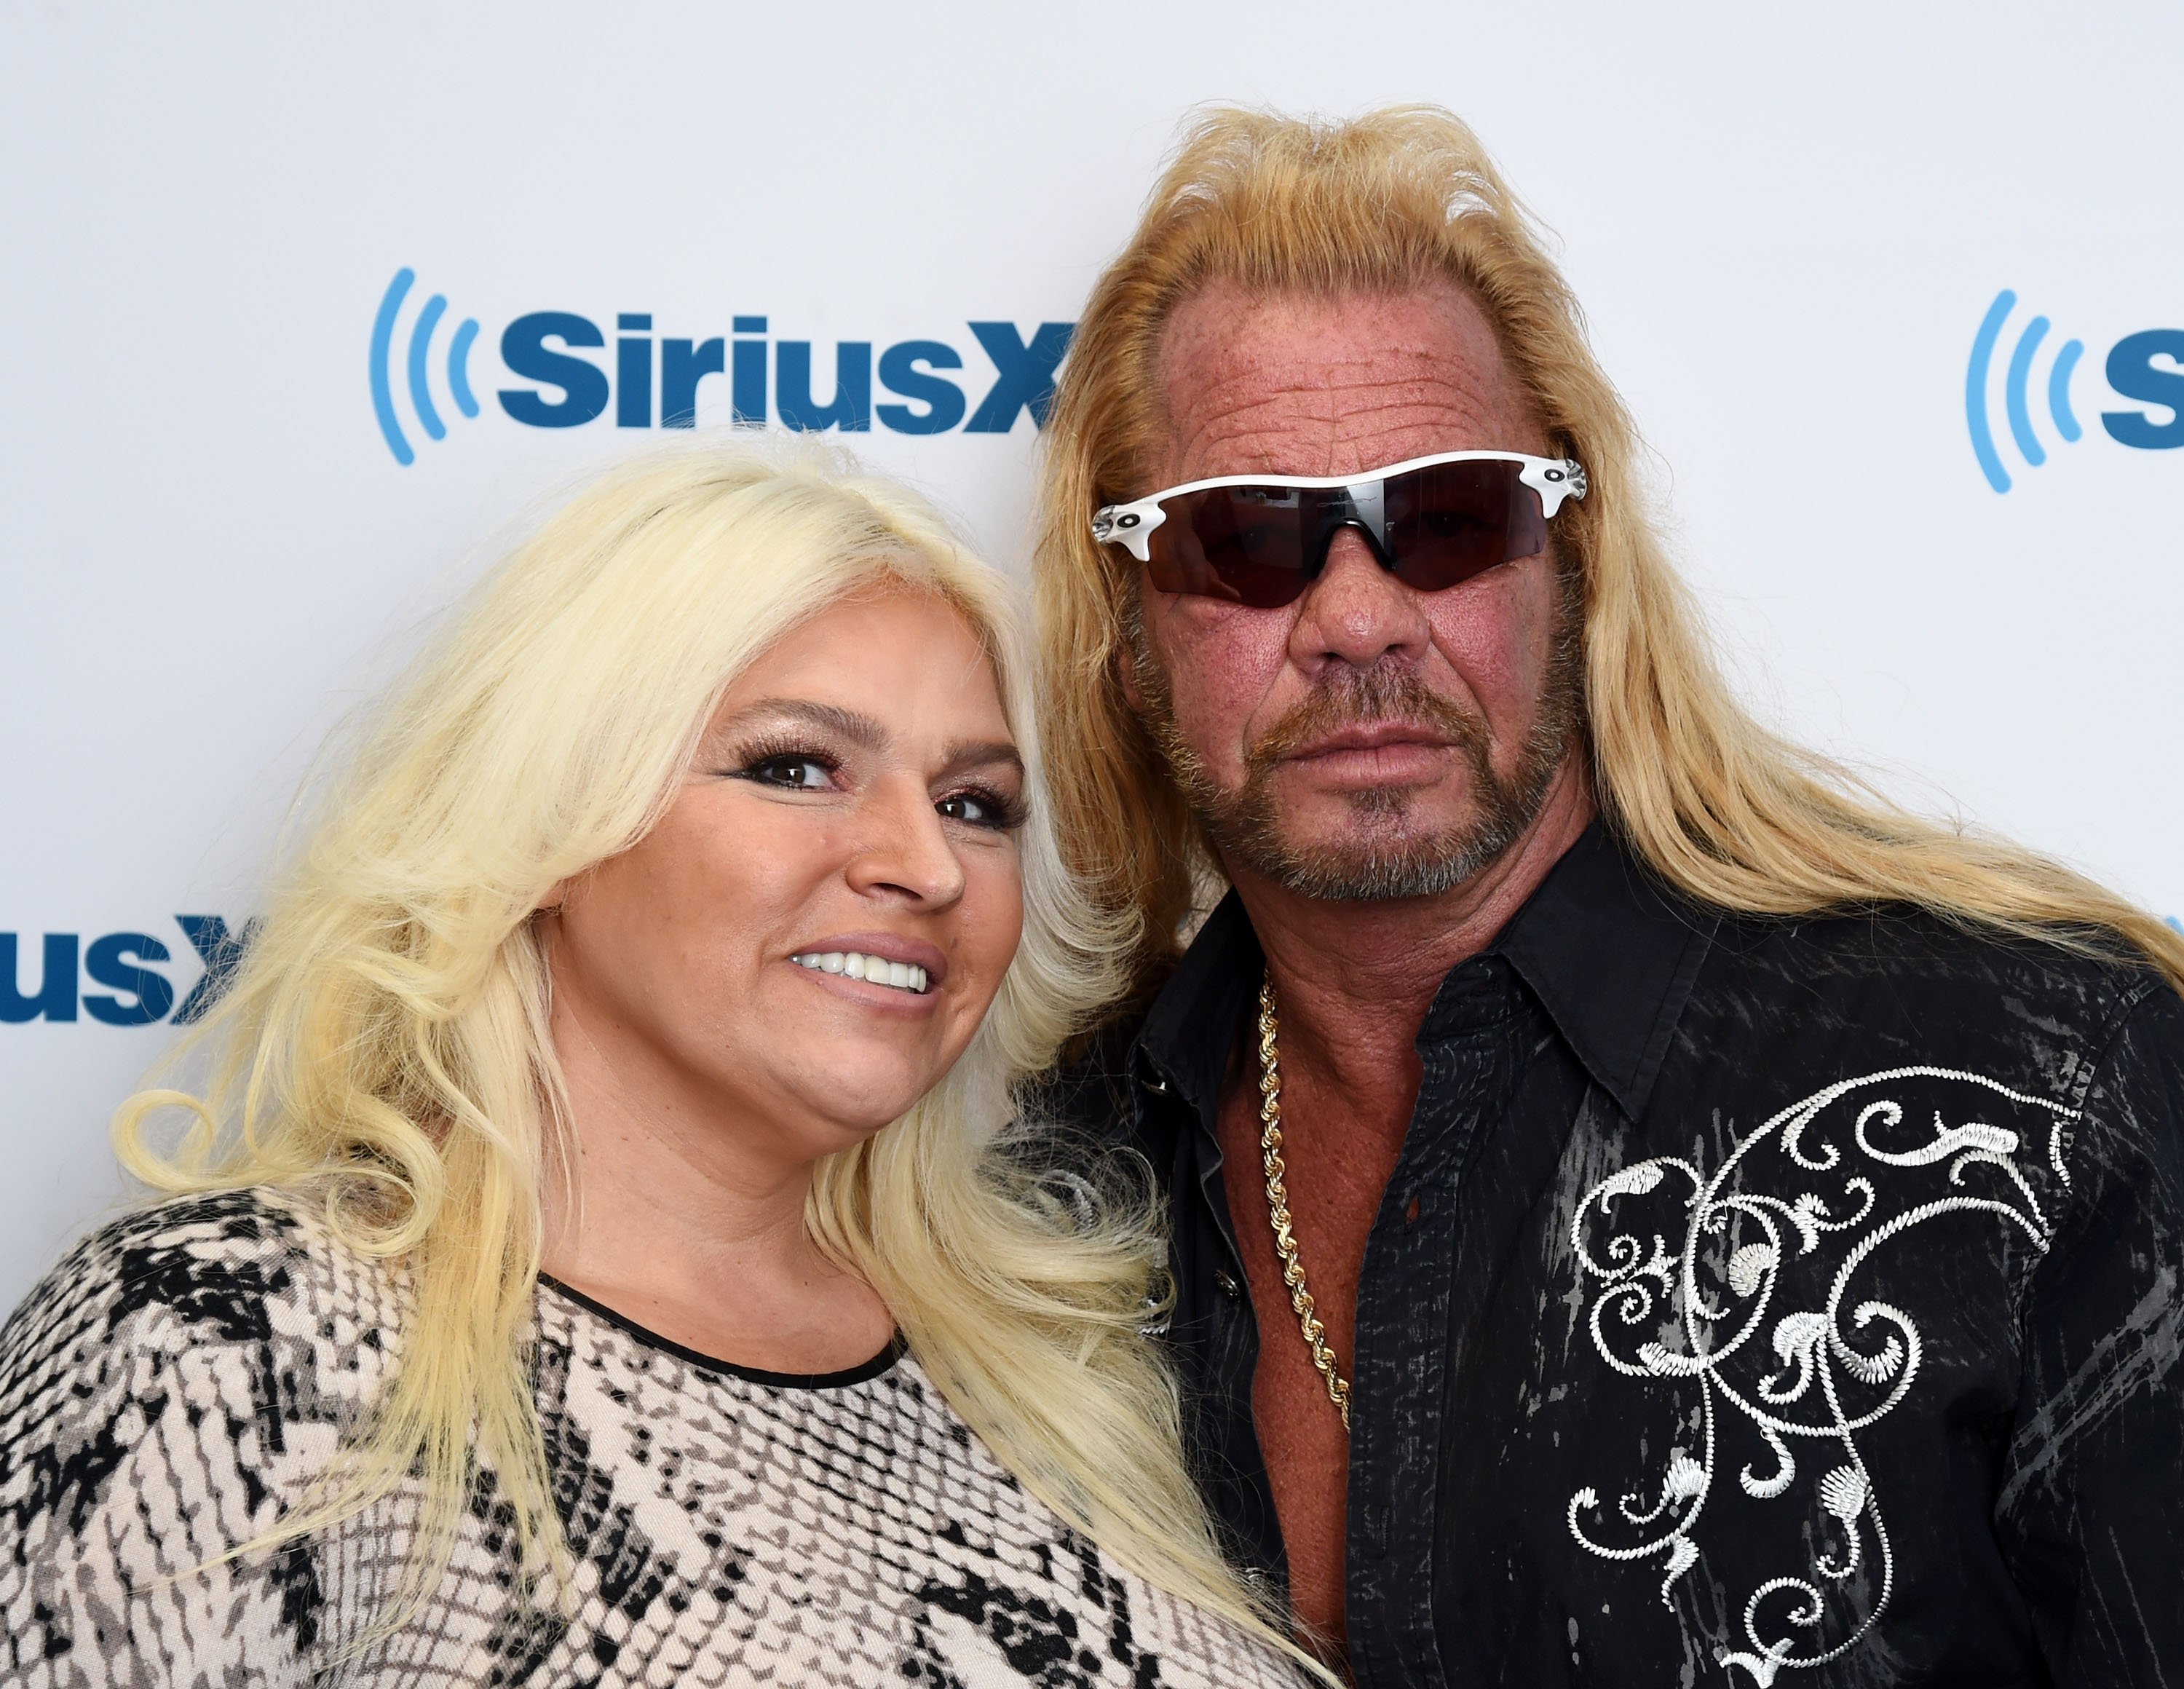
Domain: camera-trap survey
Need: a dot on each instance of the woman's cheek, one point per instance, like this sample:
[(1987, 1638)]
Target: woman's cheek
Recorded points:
[(773, 855), (997, 926)]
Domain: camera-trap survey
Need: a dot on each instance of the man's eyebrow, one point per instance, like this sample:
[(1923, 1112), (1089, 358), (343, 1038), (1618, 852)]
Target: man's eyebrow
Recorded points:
[(858, 729)]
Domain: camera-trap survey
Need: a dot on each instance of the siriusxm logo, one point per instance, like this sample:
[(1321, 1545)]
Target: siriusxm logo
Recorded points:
[(2132, 369), (128, 965), (418, 366), (655, 382)]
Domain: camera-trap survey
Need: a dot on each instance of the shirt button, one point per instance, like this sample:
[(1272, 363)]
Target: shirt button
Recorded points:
[(1225, 1282)]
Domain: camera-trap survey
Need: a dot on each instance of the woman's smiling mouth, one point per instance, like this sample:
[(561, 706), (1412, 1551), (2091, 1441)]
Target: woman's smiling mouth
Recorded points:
[(902, 976)]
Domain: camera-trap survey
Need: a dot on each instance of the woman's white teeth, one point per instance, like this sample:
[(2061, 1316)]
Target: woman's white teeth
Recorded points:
[(878, 970)]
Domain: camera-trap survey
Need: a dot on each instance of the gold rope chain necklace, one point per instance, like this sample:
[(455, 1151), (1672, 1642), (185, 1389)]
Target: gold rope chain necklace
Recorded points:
[(1278, 1204)]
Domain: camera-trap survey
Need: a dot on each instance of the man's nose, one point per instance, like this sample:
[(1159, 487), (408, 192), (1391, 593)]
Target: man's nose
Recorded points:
[(1356, 612)]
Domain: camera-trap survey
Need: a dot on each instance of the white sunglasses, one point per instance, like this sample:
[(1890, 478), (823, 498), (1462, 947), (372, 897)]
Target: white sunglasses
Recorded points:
[(1260, 540)]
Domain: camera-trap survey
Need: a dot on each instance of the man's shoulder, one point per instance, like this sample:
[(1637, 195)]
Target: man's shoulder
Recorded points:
[(1089, 1092), (1925, 986), (1898, 941)]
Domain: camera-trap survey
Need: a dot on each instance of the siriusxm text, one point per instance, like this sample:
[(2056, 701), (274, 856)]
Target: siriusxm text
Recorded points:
[(914, 387), (120, 979)]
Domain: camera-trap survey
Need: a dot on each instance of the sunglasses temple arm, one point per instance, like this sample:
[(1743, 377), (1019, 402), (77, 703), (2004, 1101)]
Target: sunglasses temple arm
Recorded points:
[(1129, 525)]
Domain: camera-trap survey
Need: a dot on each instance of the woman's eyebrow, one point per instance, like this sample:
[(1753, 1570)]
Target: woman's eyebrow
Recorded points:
[(858, 729), (981, 754), (871, 734)]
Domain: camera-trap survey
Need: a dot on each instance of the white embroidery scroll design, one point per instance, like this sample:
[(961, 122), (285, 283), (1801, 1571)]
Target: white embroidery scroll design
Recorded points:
[(1801, 1376)]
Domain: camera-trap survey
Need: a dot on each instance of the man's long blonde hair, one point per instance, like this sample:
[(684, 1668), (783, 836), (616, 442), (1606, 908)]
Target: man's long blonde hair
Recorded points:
[(1720, 806), (384, 1053)]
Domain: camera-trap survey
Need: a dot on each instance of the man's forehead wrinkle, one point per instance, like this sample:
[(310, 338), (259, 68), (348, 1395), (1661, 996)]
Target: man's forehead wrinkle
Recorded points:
[(1331, 428), (1249, 367), (1307, 385)]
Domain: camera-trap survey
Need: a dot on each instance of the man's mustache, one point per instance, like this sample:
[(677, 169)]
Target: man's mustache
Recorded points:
[(1353, 697)]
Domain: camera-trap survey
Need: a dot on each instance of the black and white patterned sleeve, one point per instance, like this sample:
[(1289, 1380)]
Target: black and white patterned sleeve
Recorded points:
[(158, 1405)]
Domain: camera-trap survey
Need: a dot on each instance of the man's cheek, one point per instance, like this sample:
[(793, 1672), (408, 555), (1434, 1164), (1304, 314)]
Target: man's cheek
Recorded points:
[(1231, 674), (1216, 716), (1499, 653)]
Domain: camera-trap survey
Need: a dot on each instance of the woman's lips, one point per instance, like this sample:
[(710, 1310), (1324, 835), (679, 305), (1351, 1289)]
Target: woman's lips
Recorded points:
[(882, 961)]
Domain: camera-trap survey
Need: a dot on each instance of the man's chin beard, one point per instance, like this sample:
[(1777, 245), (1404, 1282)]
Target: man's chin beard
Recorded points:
[(1360, 868), (1378, 857), (1245, 831)]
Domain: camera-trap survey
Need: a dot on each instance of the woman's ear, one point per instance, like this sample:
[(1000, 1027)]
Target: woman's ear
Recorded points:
[(562, 893)]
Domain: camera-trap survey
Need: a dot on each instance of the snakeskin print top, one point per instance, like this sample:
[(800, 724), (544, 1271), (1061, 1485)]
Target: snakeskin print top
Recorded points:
[(175, 1383)]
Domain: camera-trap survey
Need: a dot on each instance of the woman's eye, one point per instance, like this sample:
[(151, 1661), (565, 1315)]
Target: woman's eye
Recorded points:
[(974, 809), (797, 773)]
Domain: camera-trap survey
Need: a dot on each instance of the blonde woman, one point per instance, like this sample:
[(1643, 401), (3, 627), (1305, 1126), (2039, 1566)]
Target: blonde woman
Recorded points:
[(593, 1258)]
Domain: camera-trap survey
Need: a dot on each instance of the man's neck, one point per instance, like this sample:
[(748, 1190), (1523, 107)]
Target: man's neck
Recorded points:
[(1355, 978)]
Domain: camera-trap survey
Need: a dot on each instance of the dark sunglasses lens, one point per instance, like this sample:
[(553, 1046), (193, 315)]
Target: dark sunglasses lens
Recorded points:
[(1452, 520), (1246, 544)]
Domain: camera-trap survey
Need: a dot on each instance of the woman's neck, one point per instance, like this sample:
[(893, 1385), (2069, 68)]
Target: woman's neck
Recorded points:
[(669, 1210)]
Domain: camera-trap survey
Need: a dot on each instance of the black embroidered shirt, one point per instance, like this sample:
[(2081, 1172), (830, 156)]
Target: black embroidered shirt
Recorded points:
[(1754, 1301)]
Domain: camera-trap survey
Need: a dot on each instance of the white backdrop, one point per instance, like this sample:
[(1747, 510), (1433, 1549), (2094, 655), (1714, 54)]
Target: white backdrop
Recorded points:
[(1788, 225)]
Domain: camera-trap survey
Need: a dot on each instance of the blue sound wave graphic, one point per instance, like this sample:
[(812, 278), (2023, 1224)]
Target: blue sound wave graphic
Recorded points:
[(420, 347), (2018, 375)]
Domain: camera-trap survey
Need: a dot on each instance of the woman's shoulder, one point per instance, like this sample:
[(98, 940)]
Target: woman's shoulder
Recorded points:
[(165, 1392), (220, 1269), (241, 1302)]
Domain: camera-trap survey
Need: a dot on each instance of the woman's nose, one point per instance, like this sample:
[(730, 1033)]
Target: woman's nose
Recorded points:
[(904, 850)]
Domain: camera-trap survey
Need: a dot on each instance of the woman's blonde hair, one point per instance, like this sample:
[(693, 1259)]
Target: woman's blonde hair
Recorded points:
[(384, 1053), (1717, 804)]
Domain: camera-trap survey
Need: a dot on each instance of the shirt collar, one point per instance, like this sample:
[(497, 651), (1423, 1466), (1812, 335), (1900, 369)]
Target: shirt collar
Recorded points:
[(1185, 1041), (1610, 952)]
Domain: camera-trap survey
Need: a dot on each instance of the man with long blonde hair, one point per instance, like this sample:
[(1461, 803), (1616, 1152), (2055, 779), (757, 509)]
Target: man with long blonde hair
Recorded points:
[(1648, 1211)]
